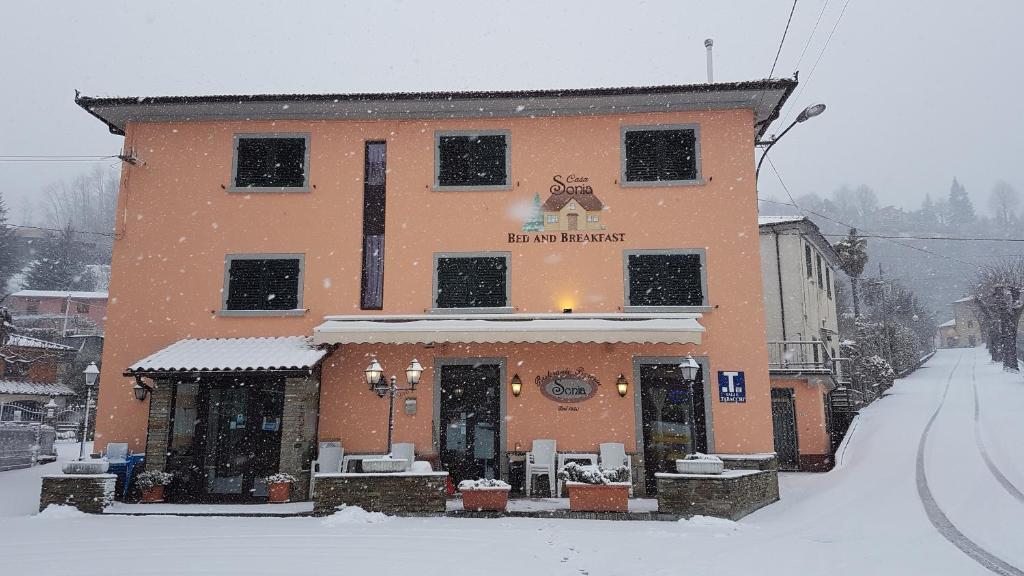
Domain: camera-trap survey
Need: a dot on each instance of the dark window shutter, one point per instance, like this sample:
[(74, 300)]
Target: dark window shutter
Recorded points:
[(263, 284), (661, 155), (821, 281), (477, 282), (665, 280), (810, 263), (472, 160), (271, 163)]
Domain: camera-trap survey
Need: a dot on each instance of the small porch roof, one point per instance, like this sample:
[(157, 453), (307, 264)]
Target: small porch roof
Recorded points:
[(634, 328), (289, 353)]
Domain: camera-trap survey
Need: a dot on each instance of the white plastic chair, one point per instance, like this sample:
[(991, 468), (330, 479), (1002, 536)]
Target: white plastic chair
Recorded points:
[(404, 450), (613, 455), (540, 461), (117, 452), (328, 459)]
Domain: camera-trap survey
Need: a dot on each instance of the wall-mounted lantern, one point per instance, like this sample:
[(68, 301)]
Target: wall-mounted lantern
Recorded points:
[(622, 385), (517, 385)]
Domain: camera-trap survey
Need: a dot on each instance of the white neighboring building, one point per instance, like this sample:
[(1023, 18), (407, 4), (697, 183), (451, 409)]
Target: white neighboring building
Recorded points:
[(799, 268)]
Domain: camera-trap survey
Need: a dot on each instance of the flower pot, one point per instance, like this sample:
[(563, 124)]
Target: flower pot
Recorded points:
[(279, 492), (153, 494), (598, 497), (491, 499)]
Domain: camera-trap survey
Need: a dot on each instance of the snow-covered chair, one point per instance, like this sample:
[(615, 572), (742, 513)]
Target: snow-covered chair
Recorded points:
[(540, 461), (613, 456), (406, 450), (117, 453), (328, 459)]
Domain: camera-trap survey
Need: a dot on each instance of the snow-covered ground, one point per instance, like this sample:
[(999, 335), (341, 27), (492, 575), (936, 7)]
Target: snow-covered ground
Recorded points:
[(865, 517)]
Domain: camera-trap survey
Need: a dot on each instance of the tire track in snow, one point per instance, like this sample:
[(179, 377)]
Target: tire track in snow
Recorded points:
[(981, 445), (938, 518)]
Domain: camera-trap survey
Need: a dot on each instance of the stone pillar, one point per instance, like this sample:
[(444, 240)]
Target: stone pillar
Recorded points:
[(159, 424), (298, 430)]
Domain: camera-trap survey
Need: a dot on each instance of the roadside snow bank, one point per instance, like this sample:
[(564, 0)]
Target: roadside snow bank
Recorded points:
[(54, 512), (354, 515)]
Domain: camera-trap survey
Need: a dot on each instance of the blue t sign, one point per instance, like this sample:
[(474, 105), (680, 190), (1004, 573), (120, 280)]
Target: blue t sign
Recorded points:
[(731, 387)]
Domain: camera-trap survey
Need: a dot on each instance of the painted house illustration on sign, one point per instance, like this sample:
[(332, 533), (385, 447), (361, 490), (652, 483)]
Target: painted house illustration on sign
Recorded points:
[(304, 238)]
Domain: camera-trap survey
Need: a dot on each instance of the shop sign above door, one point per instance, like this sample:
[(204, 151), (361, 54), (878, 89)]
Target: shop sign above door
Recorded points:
[(568, 385)]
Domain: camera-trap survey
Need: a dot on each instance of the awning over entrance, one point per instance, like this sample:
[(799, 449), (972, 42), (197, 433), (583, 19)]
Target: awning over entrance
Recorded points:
[(511, 328), (231, 355)]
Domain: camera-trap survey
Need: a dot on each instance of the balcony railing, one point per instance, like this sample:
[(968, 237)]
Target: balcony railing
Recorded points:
[(800, 356)]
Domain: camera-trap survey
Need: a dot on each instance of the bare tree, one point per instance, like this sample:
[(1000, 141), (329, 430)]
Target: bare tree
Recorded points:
[(87, 203), (1001, 297), (1004, 202)]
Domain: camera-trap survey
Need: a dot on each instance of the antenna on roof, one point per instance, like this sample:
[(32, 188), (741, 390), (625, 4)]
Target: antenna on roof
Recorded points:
[(711, 64)]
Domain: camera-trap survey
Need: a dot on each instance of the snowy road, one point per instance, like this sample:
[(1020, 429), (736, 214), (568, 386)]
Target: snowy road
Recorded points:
[(865, 517)]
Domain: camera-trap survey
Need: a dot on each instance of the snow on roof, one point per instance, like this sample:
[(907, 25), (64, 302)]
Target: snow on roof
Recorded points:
[(948, 324), (512, 328), (34, 388), (61, 294), (771, 220), (232, 354), (30, 342), (965, 299)]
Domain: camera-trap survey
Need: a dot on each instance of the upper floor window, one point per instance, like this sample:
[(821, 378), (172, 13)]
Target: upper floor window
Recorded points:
[(821, 279), (82, 307), (809, 260), (660, 155), (828, 282), (271, 162), (672, 278), (471, 280), (465, 160), (32, 306), (263, 284)]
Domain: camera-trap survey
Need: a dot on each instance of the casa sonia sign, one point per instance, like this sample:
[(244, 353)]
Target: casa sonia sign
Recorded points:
[(567, 386), (572, 213)]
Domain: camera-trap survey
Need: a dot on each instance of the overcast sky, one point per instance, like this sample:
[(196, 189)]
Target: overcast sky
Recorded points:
[(918, 91)]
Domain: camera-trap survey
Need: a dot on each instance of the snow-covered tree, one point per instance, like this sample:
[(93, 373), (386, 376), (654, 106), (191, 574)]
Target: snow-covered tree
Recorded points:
[(1001, 299), (853, 254), (961, 210), (8, 254), (59, 264)]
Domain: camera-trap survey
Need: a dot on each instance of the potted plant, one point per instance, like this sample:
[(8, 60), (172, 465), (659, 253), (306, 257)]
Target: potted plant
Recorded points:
[(484, 494), (151, 483), (279, 487), (592, 489)]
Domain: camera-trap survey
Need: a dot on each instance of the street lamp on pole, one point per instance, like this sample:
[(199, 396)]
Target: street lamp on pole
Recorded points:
[(91, 373), (804, 115), (375, 378)]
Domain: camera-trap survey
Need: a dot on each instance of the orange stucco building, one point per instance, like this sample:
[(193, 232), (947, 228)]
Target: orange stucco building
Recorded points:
[(404, 226)]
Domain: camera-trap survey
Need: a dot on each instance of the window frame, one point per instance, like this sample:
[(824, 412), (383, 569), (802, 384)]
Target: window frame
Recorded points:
[(507, 309), (703, 307), (438, 134), (300, 309), (698, 179), (306, 187)]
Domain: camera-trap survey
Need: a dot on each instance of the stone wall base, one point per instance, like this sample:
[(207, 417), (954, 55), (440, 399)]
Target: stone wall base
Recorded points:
[(732, 495), (387, 493), (90, 493)]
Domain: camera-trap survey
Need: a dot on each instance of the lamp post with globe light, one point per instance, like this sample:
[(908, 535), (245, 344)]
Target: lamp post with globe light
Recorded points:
[(389, 387), (91, 373)]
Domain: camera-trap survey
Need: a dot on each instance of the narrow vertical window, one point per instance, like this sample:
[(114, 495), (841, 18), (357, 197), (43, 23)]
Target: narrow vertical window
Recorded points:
[(821, 279), (828, 282), (375, 178), (810, 261)]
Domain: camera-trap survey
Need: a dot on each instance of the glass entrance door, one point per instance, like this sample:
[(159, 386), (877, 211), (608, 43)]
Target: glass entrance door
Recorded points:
[(470, 421), (227, 451), (673, 419)]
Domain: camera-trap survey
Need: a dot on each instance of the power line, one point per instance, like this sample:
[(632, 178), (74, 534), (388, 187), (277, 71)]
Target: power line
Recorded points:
[(783, 41), (809, 38), (108, 234), (954, 238), (803, 85), (54, 158)]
